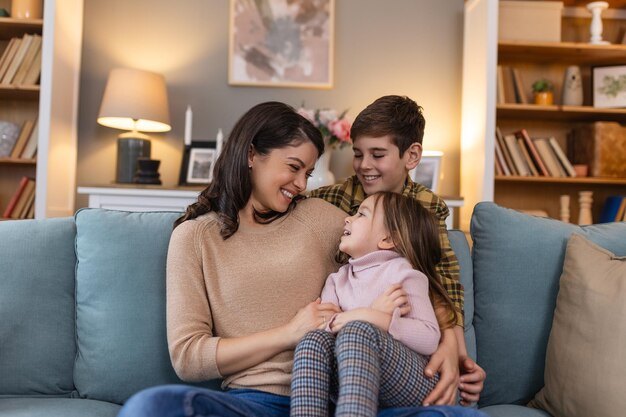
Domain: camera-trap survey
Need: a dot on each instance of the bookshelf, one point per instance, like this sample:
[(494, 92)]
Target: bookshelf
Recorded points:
[(533, 60), (54, 167)]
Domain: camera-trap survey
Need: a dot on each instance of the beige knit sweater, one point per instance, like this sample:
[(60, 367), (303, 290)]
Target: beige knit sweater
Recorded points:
[(256, 280)]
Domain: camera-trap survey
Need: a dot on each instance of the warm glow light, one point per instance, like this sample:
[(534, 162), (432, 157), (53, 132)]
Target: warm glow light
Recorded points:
[(140, 125)]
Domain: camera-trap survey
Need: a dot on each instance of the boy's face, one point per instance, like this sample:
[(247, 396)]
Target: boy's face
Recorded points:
[(378, 165)]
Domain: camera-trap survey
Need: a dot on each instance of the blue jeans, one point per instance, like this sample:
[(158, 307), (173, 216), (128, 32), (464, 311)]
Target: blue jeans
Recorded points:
[(188, 401)]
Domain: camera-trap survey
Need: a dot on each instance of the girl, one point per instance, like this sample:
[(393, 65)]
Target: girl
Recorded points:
[(384, 334)]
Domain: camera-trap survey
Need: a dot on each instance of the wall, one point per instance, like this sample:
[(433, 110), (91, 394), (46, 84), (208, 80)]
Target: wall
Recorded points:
[(408, 47)]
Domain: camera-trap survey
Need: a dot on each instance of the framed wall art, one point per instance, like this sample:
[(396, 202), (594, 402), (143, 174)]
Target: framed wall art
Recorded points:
[(609, 86), (428, 170), (281, 43)]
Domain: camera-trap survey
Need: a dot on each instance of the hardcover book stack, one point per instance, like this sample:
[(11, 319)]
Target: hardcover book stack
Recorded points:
[(20, 64), (22, 203), (517, 154), (19, 142)]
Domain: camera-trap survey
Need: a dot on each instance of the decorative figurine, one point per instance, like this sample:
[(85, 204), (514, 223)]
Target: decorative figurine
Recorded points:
[(564, 208), (596, 8), (585, 199), (572, 87)]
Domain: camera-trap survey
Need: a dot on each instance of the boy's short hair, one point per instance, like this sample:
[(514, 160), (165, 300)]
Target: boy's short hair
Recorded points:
[(396, 116)]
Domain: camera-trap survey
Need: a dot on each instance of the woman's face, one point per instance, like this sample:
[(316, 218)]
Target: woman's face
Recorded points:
[(281, 175)]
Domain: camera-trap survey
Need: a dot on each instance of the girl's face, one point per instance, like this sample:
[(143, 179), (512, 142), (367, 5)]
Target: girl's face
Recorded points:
[(365, 232), (279, 176)]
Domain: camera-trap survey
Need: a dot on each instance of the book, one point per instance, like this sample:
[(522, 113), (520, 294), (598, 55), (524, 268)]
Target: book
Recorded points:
[(27, 128), (30, 56), (10, 53), (6, 51), (548, 157), (527, 158), (621, 212), (500, 85), (16, 195), (23, 199), (565, 163), (509, 87), (541, 168), (505, 152), (31, 211), (33, 73), (30, 149), (611, 208), (516, 155), (9, 132), (520, 90), (501, 161), (17, 59)]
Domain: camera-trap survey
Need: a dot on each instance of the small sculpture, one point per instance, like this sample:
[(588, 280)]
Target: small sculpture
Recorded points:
[(564, 208), (596, 8), (585, 199), (572, 87)]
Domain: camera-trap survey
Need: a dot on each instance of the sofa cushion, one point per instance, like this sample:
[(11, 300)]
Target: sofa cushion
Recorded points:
[(37, 346), (507, 410), (462, 251), (517, 261), (56, 407), (586, 357), (120, 296)]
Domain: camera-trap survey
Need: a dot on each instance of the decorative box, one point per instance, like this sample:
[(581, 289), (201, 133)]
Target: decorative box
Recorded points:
[(538, 21), (602, 146)]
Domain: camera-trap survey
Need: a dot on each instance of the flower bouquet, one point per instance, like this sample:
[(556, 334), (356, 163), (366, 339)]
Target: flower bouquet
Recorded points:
[(335, 128)]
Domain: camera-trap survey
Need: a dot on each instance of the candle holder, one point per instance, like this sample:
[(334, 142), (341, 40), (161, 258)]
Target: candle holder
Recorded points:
[(596, 8)]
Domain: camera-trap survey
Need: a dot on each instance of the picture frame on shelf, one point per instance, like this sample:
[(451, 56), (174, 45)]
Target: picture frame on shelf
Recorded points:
[(196, 167), (609, 86), (273, 43), (428, 171)]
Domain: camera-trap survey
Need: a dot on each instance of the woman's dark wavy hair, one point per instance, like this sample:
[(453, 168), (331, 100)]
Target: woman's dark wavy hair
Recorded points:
[(265, 127)]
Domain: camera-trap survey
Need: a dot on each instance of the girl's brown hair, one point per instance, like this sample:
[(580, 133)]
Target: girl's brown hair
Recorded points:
[(415, 235), (265, 127)]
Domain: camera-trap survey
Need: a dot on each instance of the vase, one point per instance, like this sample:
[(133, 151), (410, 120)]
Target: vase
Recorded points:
[(26, 9), (321, 173), (572, 87)]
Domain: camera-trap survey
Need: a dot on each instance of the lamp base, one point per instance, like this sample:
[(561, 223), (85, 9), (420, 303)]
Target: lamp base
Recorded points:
[(128, 150)]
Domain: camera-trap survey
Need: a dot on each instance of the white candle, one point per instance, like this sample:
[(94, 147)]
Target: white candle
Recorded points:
[(219, 141), (188, 121)]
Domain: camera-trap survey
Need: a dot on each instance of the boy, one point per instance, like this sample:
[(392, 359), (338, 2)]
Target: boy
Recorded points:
[(387, 143)]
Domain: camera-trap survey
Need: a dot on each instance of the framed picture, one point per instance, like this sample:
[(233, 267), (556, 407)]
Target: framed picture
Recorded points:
[(609, 86), (428, 170), (281, 43), (197, 163)]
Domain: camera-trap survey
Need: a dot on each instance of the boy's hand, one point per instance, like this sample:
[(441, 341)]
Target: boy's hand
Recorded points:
[(445, 361), (472, 381), (393, 297)]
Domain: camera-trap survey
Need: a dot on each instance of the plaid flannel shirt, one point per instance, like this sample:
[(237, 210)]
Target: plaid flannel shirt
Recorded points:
[(349, 195)]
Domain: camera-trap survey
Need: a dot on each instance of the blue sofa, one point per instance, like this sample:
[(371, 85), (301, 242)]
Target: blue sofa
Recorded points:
[(82, 307)]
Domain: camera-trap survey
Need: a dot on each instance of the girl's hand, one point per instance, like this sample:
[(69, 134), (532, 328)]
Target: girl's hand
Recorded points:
[(344, 318), (393, 297), (445, 361), (313, 316)]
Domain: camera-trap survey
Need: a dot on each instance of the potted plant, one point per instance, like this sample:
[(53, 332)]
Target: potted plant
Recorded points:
[(543, 91)]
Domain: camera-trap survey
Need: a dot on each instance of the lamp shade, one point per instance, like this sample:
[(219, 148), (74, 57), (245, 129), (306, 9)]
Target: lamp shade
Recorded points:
[(135, 100)]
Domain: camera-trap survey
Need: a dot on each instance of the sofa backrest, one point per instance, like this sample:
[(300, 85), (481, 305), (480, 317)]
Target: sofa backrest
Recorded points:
[(518, 260), (37, 348)]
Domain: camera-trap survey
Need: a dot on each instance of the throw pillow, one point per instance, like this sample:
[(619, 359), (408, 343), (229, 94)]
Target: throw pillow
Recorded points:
[(586, 359)]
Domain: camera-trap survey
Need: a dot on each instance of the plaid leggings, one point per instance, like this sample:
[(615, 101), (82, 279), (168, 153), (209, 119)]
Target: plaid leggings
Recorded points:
[(371, 369)]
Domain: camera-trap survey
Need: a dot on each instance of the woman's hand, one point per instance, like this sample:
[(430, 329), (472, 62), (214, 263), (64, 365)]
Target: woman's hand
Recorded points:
[(313, 316), (445, 361), (393, 297), (472, 380)]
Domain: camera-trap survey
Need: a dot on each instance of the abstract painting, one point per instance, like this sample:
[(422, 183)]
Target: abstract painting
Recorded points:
[(281, 43)]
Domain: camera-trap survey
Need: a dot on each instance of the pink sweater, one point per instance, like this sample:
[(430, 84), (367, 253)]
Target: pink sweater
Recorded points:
[(362, 280)]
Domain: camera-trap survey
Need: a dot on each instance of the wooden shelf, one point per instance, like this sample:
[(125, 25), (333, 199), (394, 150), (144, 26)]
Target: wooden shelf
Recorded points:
[(562, 52), (10, 28), (558, 112), (560, 180), (25, 92), (19, 161)]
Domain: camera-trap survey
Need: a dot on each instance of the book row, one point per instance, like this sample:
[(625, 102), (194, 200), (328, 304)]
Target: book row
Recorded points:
[(22, 202), (517, 154), (614, 209), (19, 141), (20, 64), (510, 87)]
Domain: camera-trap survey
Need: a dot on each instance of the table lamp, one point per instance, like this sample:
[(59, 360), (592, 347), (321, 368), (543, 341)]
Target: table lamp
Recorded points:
[(134, 100)]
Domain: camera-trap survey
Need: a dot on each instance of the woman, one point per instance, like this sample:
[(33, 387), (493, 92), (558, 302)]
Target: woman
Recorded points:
[(245, 268)]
